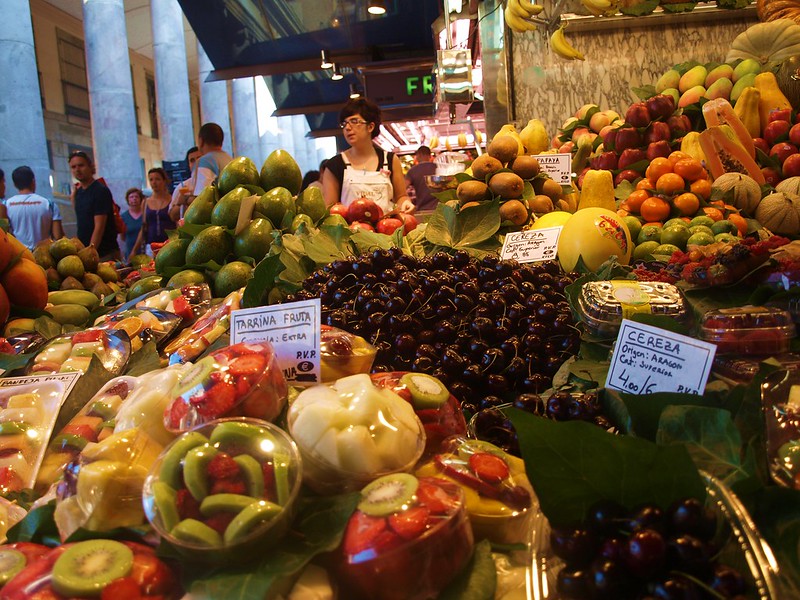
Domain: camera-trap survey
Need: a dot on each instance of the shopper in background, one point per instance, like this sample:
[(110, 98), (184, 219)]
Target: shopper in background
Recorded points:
[(183, 191), (2, 187), (213, 159), (318, 182), (415, 177), (94, 208), (364, 170), (32, 218), (157, 220), (132, 219), (309, 178)]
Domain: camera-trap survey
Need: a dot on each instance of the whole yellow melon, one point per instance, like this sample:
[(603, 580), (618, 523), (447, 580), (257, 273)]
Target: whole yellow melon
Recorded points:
[(594, 234), (557, 218)]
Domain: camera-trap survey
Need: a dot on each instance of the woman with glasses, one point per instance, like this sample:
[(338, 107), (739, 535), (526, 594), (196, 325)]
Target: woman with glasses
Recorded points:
[(364, 170)]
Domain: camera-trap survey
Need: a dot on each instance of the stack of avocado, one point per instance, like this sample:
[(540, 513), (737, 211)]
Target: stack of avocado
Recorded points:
[(207, 246), (70, 265)]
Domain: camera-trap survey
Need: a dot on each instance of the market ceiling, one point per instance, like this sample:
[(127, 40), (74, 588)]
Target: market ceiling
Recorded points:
[(282, 40)]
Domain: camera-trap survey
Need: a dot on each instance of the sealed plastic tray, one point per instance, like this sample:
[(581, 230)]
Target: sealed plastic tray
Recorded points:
[(73, 352), (142, 326), (188, 302), (748, 330), (193, 341), (742, 369), (780, 400), (343, 354), (603, 304)]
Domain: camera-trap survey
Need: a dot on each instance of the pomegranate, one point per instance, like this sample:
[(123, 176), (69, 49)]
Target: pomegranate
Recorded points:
[(364, 210)]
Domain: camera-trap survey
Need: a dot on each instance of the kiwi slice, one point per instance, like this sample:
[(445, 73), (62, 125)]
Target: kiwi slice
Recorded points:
[(102, 410), (85, 568), (251, 517), (195, 532), (387, 494), (253, 474), (194, 470), (11, 562), (236, 432), (471, 447), (196, 377), (426, 391), (165, 499), (66, 441), (170, 472), (225, 503), (280, 468)]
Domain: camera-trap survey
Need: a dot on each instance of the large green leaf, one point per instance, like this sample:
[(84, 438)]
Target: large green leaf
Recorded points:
[(262, 281), (367, 241), (478, 580), (573, 464), (321, 247), (463, 229), (144, 360), (87, 386), (38, 527)]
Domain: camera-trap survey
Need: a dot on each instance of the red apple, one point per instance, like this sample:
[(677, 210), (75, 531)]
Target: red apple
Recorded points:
[(626, 175), (660, 106), (780, 114), (637, 115), (361, 225), (410, 222), (762, 144), (656, 149), (363, 209), (791, 166), (794, 134), (679, 125), (629, 157), (339, 209), (606, 161), (627, 137), (772, 176), (609, 136), (657, 131), (783, 150), (388, 225), (776, 131)]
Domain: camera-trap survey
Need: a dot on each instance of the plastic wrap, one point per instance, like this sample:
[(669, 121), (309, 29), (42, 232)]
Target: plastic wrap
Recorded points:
[(73, 352)]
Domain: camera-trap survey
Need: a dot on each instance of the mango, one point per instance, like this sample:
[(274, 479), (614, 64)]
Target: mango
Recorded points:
[(694, 77), (676, 95), (69, 314), (720, 72), (747, 66), (691, 96), (721, 88), (17, 326), (82, 297), (670, 79), (744, 81)]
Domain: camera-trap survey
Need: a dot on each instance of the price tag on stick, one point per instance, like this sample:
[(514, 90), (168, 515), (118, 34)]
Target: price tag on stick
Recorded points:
[(532, 245), (557, 166), (293, 329), (647, 360)]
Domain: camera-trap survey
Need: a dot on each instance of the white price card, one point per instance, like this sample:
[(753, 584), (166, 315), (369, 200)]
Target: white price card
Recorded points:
[(293, 329), (648, 359), (67, 379), (557, 166), (532, 245)]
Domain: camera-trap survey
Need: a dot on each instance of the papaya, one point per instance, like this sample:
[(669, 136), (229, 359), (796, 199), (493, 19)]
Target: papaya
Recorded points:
[(746, 109), (690, 144), (724, 155), (771, 97), (720, 112)]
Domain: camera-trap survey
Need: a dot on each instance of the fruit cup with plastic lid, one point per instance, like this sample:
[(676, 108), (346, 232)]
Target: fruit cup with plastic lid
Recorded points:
[(343, 354)]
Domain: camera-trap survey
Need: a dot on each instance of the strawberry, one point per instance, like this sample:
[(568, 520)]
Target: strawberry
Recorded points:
[(489, 467), (410, 523), (176, 412), (249, 364), (218, 400), (151, 575), (125, 587), (120, 389), (220, 521), (228, 486), (10, 481), (89, 335), (182, 308), (188, 507), (435, 498), (222, 466), (361, 532), (242, 386)]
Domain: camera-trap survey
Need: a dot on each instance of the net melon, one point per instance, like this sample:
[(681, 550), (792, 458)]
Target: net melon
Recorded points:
[(595, 234)]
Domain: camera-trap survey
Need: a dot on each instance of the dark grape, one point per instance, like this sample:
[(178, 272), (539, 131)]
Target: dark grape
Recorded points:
[(646, 552)]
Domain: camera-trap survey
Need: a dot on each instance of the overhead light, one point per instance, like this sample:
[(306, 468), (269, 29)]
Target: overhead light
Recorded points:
[(337, 75), (376, 7), (355, 92), (326, 63)]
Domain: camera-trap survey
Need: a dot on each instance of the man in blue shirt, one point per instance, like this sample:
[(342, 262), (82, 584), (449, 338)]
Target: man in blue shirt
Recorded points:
[(214, 159), (32, 217)]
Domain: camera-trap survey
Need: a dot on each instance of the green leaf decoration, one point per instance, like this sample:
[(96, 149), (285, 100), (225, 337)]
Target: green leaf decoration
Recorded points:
[(339, 234), (644, 92), (318, 528), (144, 360), (623, 190), (573, 464), (733, 4), (589, 370), (685, 66), (87, 386), (445, 196), (679, 8), (38, 527), (321, 247), (478, 581), (460, 230), (710, 436), (190, 230), (367, 241), (462, 177), (9, 363), (262, 281)]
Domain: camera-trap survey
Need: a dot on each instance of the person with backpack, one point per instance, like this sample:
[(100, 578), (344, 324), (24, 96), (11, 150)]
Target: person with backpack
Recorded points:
[(94, 208)]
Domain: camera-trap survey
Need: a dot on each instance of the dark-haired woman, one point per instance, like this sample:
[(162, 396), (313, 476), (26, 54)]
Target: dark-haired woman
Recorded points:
[(364, 170), (156, 221)]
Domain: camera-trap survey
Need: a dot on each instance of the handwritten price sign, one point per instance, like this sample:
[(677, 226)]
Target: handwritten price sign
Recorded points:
[(531, 246), (557, 166)]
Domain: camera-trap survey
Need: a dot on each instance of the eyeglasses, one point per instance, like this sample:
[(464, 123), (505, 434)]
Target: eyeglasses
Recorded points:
[(352, 123)]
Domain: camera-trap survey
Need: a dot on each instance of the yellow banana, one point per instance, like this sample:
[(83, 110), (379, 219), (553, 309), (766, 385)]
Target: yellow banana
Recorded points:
[(599, 8), (516, 23), (516, 9), (560, 45), (530, 8)]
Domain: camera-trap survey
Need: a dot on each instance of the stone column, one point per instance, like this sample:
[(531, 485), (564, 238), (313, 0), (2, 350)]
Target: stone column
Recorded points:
[(268, 127), (303, 153), (213, 99), (22, 136), (116, 145), (172, 79), (245, 120)]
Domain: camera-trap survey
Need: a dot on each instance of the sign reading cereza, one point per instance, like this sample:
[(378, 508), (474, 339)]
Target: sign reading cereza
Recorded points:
[(293, 329), (532, 245)]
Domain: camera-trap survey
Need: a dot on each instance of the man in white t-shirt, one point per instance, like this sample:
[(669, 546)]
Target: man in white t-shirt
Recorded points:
[(32, 217), (185, 188)]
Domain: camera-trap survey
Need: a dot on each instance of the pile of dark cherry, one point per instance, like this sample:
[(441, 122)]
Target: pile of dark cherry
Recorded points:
[(649, 553), (489, 329)]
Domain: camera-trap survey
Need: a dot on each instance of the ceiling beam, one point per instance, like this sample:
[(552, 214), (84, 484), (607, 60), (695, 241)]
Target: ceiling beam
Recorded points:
[(283, 68)]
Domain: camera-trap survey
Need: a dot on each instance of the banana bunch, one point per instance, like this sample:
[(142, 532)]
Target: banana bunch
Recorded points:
[(518, 14), (600, 8), (560, 45)]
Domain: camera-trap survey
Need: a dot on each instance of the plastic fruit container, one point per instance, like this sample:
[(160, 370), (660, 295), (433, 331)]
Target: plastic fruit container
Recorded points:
[(21, 343), (343, 354), (142, 326), (780, 400), (742, 548), (603, 304), (73, 352), (498, 497), (225, 491), (240, 380), (742, 369), (189, 302), (352, 432), (439, 411), (92, 568), (194, 340), (407, 539), (748, 330)]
